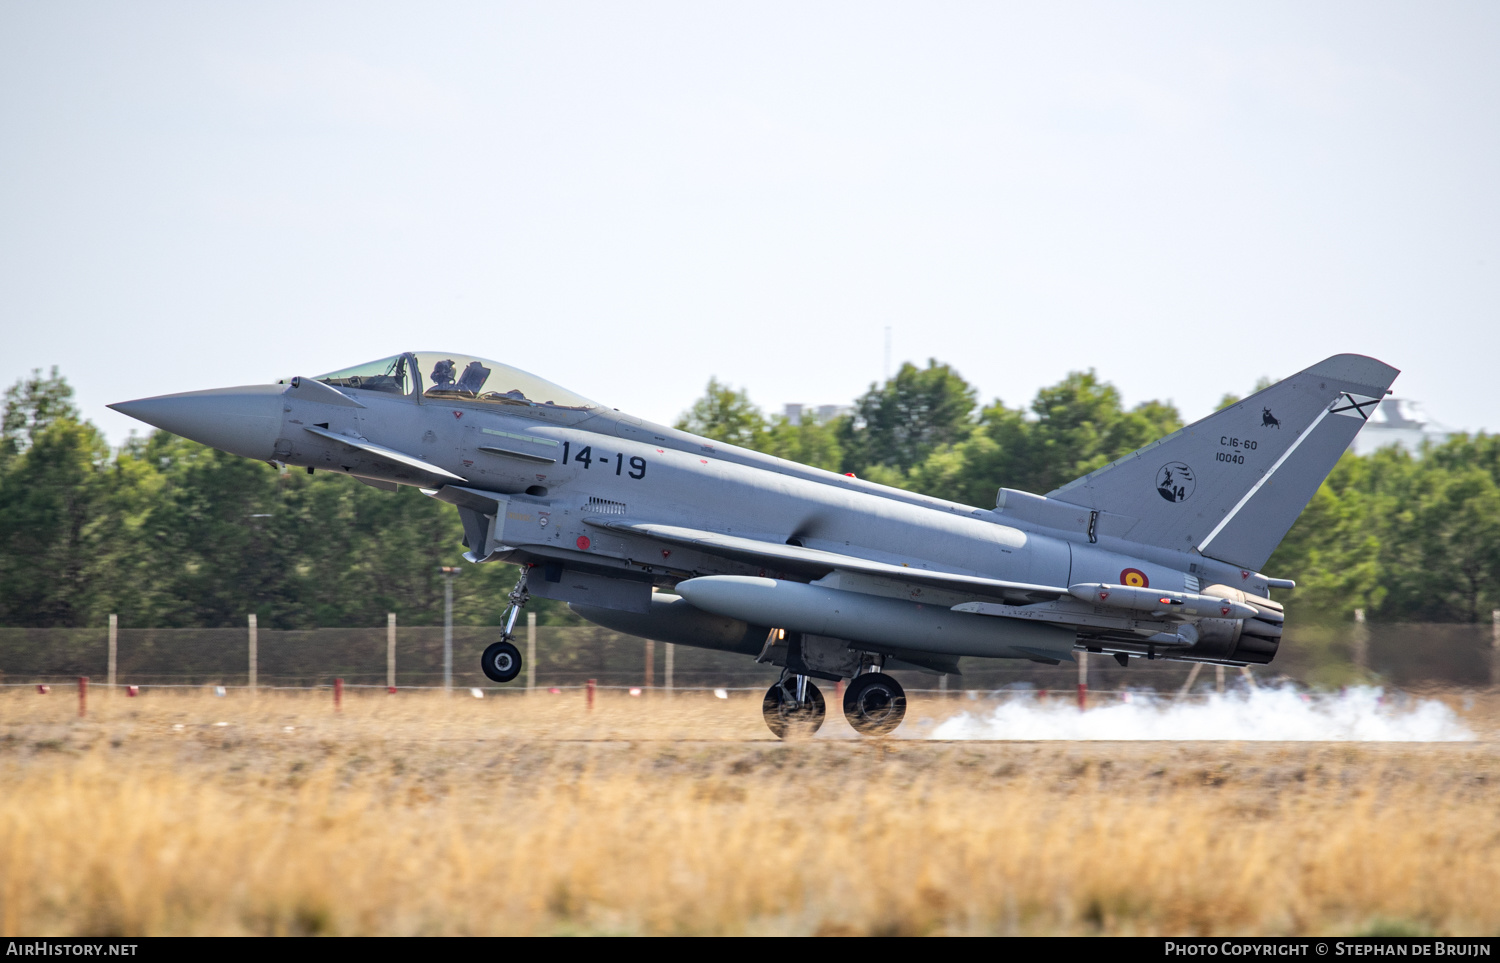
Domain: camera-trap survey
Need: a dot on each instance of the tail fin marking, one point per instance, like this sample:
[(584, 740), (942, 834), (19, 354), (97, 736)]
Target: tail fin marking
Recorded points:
[(1203, 546)]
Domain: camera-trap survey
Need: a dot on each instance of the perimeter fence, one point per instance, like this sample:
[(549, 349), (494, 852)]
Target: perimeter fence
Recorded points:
[(1412, 655)]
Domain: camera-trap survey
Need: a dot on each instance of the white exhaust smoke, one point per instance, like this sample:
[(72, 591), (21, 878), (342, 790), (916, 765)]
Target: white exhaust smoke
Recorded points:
[(1360, 714)]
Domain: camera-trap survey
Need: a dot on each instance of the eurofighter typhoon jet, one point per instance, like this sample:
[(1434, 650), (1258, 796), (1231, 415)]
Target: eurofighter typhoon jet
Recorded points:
[(666, 535)]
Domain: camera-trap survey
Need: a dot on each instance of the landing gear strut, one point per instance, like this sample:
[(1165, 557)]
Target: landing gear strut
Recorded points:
[(501, 661), (874, 704), (793, 707)]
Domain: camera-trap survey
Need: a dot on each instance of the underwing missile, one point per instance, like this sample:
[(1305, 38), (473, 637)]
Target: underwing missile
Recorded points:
[(1160, 603)]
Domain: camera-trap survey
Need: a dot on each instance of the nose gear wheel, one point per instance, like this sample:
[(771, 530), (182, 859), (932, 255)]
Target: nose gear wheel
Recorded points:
[(501, 662), (874, 704)]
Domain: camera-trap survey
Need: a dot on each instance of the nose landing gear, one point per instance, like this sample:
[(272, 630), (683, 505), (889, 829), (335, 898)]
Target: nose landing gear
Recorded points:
[(793, 707), (874, 704), (501, 661)]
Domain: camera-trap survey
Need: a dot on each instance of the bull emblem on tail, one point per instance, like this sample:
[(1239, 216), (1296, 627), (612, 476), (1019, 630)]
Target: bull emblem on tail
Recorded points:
[(1267, 419)]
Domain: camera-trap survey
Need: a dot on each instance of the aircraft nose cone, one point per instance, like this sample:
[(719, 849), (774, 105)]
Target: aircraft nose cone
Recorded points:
[(243, 421)]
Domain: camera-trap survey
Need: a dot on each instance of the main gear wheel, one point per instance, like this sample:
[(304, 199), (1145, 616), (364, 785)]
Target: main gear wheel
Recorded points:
[(789, 717), (874, 704)]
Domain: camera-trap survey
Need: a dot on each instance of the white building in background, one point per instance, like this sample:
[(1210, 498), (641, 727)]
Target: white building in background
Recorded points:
[(820, 414), (1399, 421)]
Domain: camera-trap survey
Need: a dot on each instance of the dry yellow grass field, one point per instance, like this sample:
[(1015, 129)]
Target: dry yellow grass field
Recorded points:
[(181, 813)]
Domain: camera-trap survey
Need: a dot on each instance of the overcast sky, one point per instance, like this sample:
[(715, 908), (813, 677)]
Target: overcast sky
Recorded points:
[(627, 198)]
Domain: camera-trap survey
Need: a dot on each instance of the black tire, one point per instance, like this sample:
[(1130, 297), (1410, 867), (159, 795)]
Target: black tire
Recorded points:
[(501, 662), (787, 720), (874, 704)]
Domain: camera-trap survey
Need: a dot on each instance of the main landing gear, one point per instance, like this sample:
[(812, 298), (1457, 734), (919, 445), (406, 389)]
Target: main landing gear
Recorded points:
[(501, 661), (874, 704), (793, 707)]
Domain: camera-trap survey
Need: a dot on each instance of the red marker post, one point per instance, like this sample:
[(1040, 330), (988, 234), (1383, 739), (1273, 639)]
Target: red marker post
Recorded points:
[(83, 696), (338, 694), (590, 687)]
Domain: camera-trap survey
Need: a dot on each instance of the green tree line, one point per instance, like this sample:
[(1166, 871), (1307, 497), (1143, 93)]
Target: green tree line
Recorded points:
[(166, 532)]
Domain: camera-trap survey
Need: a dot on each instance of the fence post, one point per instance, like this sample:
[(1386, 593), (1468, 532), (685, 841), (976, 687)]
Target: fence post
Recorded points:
[(1188, 685), (667, 658), (114, 649), (1495, 647), (1361, 642), (448, 573), (83, 696), (530, 651), (254, 653), (390, 651), (1083, 680), (650, 663)]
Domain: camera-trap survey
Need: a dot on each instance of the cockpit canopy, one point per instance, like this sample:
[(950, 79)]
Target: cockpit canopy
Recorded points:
[(456, 377)]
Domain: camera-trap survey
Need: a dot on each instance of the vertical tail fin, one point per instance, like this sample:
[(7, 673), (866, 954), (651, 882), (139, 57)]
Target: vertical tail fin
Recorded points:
[(1231, 485)]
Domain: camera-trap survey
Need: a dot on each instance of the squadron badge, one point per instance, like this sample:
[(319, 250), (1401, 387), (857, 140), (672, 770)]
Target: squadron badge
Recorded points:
[(1175, 482)]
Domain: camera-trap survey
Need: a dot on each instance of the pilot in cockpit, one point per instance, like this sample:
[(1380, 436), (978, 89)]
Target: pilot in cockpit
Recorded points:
[(442, 374)]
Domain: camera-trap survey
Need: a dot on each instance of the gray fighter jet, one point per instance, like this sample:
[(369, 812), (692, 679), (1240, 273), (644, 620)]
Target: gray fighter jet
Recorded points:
[(662, 534)]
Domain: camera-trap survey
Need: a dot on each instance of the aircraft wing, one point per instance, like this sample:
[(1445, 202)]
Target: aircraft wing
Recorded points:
[(817, 563)]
